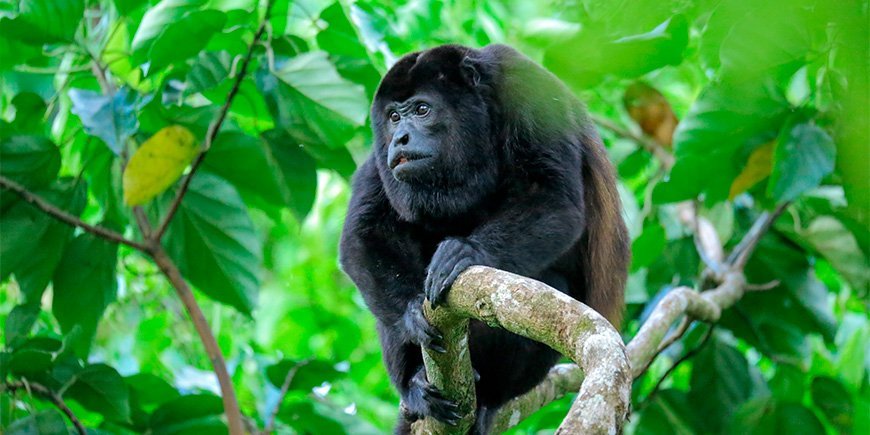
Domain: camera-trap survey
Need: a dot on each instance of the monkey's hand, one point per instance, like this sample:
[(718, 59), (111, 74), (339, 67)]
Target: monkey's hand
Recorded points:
[(424, 400), (451, 258), (418, 330)]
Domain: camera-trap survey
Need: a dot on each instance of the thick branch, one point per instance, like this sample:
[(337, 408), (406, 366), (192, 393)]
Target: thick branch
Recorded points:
[(534, 310), (215, 125), (49, 395), (65, 217)]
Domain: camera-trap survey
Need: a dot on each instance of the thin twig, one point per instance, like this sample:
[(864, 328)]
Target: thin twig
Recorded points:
[(649, 144), (214, 127), (44, 392), (270, 425), (676, 364), (65, 217), (741, 253)]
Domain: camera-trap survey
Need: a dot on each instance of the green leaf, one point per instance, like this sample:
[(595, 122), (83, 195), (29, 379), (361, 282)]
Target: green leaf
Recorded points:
[(19, 323), (209, 70), (669, 412), (273, 169), (30, 160), (834, 400), (186, 413), (590, 56), (48, 422), (345, 47), (44, 21), (174, 30), (29, 113), (720, 383), (766, 416), (33, 242), (101, 389), (126, 6), (148, 389), (804, 155), (112, 119), (647, 248), (309, 374), (838, 245), (307, 96), (30, 362), (84, 285), (773, 39), (214, 243)]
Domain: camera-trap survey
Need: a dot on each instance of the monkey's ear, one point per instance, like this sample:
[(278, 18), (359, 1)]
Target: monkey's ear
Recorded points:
[(470, 70)]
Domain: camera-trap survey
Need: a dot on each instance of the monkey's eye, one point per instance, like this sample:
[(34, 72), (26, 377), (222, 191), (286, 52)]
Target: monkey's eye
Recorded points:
[(394, 116), (422, 109)]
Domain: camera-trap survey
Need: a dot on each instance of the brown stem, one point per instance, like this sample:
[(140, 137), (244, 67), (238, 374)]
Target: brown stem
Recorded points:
[(214, 127), (65, 217), (741, 253), (41, 390), (231, 405)]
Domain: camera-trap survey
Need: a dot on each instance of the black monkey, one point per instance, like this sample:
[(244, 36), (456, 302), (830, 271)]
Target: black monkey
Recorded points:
[(481, 157)]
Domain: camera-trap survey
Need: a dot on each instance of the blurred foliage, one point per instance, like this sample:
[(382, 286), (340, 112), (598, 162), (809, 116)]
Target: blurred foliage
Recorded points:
[(772, 104)]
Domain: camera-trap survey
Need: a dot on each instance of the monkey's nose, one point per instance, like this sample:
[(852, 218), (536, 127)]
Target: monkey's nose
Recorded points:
[(403, 139)]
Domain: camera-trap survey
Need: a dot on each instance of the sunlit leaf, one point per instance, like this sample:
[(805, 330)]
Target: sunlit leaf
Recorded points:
[(838, 245), (158, 163)]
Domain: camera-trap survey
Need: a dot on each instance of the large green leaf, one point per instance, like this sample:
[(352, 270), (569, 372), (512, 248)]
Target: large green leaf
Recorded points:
[(214, 243), (720, 383), (307, 96), (46, 422), (835, 401), (195, 413), (84, 285), (33, 242), (19, 323), (101, 389), (838, 245), (174, 30), (344, 45), (275, 169), (668, 412), (804, 155), (30, 160), (44, 21), (766, 416)]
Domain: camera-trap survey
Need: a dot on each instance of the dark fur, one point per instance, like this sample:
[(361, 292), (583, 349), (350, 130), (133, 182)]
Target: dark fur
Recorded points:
[(520, 182)]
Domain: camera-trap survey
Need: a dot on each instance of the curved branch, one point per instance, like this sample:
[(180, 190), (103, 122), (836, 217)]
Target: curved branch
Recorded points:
[(61, 215), (534, 310), (51, 396)]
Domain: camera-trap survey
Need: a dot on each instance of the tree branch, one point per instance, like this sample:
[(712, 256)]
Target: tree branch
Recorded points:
[(62, 216), (56, 400), (215, 125), (228, 395), (541, 313)]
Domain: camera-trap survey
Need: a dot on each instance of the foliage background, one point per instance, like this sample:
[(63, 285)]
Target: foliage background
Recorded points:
[(773, 105)]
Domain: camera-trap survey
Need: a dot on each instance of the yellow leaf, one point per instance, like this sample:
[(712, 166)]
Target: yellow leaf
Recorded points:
[(757, 168), (158, 163)]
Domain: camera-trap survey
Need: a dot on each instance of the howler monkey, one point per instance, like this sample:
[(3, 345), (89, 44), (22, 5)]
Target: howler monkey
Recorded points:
[(481, 157)]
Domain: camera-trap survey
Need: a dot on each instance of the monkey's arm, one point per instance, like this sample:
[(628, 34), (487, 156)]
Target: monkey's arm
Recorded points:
[(526, 236)]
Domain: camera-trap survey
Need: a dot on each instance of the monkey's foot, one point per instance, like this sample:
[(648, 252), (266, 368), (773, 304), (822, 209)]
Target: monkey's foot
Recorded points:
[(424, 400)]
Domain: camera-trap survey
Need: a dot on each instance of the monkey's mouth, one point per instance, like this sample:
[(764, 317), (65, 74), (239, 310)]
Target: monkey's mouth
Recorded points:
[(403, 158)]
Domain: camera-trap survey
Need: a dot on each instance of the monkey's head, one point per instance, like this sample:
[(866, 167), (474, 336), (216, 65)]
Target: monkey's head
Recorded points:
[(432, 121)]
